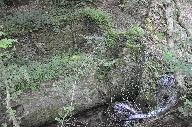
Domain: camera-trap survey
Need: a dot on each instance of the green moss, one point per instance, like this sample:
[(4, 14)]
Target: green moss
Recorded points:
[(133, 44), (99, 16), (30, 76), (135, 31), (132, 35), (111, 37), (115, 40)]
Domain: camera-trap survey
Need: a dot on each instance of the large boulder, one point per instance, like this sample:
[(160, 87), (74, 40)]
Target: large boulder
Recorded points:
[(39, 107), (83, 92)]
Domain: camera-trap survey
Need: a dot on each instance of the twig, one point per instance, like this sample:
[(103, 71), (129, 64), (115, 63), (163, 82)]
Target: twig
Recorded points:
[(73, 93)]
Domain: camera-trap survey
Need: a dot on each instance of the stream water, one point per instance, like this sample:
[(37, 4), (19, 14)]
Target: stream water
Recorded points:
[(122, 114), (165, 97)]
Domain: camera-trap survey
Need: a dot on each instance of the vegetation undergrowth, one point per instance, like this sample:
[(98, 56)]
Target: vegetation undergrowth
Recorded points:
[(51, 19), (106, 53), (6, 82), (22, 21), (30, 76), (100, 17), (65, 115)]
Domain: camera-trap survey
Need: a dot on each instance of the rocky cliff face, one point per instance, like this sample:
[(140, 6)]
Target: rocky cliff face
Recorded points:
[(122, 82), (42, 106)]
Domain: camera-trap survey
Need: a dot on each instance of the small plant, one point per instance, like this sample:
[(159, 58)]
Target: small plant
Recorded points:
[(116, 37), (186, 109), (104, 66), (64, 115), (134, 34), (111, 37), (5, 43), (99, 16), (135, 30)]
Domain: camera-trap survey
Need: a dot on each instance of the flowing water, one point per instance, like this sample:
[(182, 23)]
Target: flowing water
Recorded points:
[(122, 114)]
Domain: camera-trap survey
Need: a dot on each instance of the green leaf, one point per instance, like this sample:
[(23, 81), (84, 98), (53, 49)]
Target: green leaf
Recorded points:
[(5, 43), (168, 55)]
